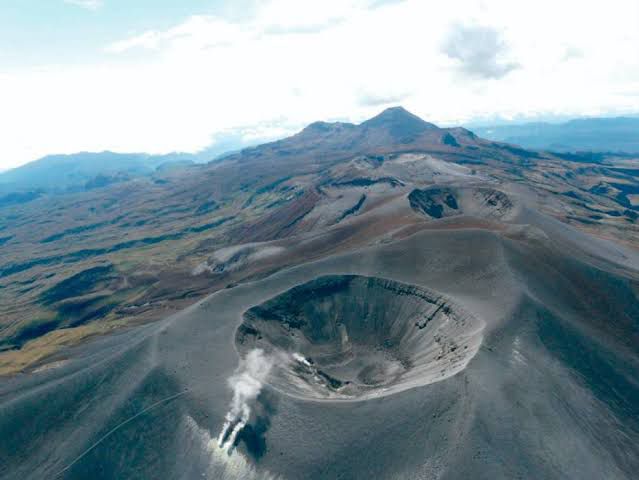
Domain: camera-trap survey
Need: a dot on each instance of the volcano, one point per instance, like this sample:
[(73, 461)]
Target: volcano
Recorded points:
[(355, 337), (388, 299)]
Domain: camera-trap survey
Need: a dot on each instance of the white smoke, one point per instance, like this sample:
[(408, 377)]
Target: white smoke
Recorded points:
[(301, 359), (222, 464), (246, 384)]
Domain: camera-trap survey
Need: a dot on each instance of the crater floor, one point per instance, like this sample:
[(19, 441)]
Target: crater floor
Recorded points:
[(357, 337)]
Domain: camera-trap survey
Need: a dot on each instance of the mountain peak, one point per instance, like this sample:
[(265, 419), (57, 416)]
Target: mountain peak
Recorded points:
[(399, 122), (326, 127)]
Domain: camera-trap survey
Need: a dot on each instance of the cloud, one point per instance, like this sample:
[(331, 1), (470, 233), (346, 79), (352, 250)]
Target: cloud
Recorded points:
[(235, 79), (372, 99), (479, 51), (148, 40), (572, 53), (87, 4), (198, 32)]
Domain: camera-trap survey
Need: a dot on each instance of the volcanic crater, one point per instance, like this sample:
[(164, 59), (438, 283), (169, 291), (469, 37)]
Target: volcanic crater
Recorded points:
[(351, 337)]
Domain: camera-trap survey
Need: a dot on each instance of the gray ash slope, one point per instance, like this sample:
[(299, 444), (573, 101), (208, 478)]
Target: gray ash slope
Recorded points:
[(380, 385)]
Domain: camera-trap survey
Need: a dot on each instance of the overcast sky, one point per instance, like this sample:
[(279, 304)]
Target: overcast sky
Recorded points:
[(161, 76)]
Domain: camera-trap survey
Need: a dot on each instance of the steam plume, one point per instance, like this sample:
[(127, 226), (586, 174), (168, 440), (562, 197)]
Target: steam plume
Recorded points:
[(246, 384)]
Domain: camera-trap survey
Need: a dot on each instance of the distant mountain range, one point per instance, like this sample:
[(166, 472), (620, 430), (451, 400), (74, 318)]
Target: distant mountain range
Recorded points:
[(87, 170), (620, 134), (82, 170)]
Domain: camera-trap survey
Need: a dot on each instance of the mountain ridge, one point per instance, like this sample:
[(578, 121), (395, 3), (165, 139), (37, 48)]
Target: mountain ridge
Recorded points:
[(599, 134)]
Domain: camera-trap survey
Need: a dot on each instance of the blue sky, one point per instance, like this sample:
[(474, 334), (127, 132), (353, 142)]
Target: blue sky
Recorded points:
[(161, 76), (55, 31)]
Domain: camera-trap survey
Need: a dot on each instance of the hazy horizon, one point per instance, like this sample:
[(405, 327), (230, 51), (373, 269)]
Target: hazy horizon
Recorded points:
[(162, 77), (233, 142)]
